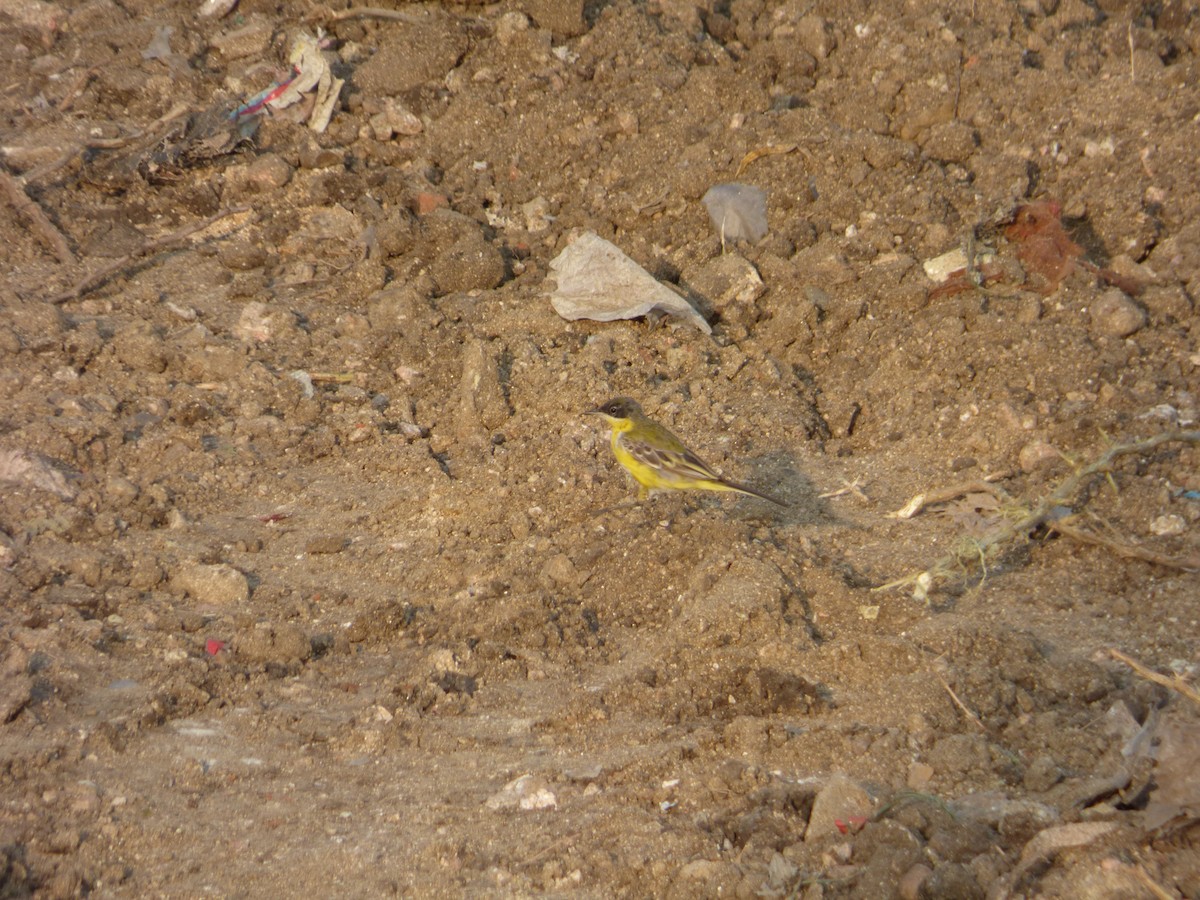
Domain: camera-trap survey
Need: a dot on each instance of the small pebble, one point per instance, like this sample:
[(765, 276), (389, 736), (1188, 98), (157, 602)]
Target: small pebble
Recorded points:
[(326, 543), (427, 201), (1116, 315), (1029, 309), (268, 173), (559, 571), (242, 255), (1037, 455), (509, 26), (394, 120), (911, 881)]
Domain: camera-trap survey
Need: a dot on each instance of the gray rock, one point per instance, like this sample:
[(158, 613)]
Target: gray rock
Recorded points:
[(267, 643), (220, 584)]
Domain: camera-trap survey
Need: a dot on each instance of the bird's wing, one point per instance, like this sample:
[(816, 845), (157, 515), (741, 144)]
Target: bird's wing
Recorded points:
[(671, 461)]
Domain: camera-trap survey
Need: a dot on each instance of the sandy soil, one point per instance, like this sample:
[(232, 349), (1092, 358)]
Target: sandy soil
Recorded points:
[(317, 581)]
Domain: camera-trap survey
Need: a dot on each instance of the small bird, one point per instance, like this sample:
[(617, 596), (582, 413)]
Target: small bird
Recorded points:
[(656, 458)]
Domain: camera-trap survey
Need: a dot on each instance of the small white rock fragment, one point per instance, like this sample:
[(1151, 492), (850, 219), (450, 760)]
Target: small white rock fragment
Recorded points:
[(160, 45), (1106, 147), (1168, 525), (921, 588), (216, 8), (526, 792), (254, 324), (537, 214), (940, 268)]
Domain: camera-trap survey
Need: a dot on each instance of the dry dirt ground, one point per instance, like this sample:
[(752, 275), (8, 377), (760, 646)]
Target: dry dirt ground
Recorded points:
[(312, 579)]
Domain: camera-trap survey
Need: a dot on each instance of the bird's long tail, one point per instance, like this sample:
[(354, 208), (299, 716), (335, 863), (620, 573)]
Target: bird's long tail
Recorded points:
[(742, 489)]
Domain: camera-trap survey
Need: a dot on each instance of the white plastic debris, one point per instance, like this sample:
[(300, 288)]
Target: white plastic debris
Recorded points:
[(310, 71), (738, 212), (595, 280)]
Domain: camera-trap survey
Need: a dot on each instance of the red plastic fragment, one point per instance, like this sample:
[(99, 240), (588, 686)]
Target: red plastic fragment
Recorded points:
[(850, 824)]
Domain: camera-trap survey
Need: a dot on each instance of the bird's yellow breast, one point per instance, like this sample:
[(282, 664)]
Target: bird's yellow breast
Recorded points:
[(643, 473)]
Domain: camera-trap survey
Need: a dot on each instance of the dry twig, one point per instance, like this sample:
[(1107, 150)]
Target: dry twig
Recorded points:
[(966, 710), (324, 13), (149, 133), (1175, 682), (43, 226), (1067, 528), (98, 277), (982, 485), (849, 487), (1159, 892), (760, 152), (989, 546), (77, 88)]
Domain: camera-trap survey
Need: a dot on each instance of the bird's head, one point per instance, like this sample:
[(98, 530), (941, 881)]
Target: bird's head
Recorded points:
[(618, 409)]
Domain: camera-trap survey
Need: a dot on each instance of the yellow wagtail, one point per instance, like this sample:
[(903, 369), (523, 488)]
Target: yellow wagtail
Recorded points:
[(656, 458)]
